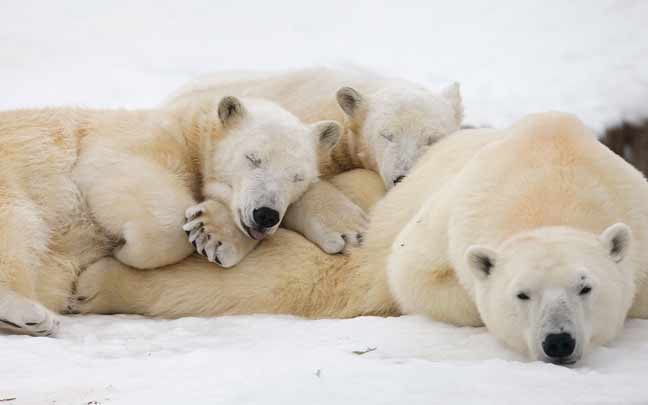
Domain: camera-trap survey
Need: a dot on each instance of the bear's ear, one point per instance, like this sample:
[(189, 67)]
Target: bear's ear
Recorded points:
[(327, 133), (230, 110), (481, 261), (616, 240), (349, 100), (452, 93)]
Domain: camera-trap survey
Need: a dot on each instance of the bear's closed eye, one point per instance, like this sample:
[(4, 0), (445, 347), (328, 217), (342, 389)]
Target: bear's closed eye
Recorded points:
[(255, 161)]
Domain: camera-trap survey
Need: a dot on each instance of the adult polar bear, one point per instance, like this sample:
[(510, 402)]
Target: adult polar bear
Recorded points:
[(531, 219), (388, 125)]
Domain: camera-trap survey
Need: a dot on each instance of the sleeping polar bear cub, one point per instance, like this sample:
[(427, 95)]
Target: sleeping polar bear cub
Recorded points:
[(268, 160), (238, 146), (88, 184)]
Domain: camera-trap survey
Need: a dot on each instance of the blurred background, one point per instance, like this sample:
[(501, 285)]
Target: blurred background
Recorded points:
[(511, 57)]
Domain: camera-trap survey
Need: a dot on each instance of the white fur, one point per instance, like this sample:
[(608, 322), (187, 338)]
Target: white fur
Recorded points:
[(265, 157), (77, 185), (402, 121), (532, 214), (544, 198), (268, 159)]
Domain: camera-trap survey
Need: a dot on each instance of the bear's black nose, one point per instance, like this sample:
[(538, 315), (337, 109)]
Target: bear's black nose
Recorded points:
[(398, 179), (265, 217), (559, 345)]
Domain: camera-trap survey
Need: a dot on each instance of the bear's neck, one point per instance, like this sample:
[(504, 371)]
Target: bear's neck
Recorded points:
[(198, 134)]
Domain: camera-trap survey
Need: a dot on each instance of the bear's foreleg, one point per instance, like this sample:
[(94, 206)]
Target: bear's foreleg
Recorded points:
[(23, 249)]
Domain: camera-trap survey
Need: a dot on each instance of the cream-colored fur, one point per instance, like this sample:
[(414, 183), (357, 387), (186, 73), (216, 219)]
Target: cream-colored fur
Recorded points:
[(530, 226), (388, 125), (286, 273), (546, 180), (77, 185), (267, 161)]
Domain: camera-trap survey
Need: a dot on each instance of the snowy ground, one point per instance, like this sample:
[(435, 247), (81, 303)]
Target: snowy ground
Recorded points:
[(512, 57), (283, 360)]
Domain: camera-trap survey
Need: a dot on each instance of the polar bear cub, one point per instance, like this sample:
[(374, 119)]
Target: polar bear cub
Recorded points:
[(252, 158), (85, 184)]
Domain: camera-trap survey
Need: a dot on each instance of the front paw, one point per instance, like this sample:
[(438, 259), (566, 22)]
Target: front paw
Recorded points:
[(337, 236), (214, 235), (327, 218)]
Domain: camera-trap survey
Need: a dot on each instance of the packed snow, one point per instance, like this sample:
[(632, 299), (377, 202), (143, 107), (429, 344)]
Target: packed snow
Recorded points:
[(511, 58)]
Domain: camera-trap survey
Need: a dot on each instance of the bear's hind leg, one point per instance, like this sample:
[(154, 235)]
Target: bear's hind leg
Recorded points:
[(143, 204)]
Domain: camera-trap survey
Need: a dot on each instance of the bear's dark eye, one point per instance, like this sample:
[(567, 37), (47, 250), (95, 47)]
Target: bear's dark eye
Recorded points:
[(585, 290), (389, 137), (298, 178), (522, 296), (429, 141)]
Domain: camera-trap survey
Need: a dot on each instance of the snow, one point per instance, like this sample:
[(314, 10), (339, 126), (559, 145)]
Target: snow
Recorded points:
[(284, 360), (513, 57)]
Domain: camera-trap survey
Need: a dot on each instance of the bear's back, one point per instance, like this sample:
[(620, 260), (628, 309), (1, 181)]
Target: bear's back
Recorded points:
[(549, 170)]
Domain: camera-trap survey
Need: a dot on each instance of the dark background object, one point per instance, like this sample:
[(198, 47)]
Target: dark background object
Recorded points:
[(630, 141)]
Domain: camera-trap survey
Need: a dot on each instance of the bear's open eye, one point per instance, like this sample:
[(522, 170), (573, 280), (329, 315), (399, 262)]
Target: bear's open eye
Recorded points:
[(298, 178), (585, 290), (429, 141), (522, 296), (389, 137)]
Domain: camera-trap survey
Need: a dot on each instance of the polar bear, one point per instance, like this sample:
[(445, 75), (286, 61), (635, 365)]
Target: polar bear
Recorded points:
[(537, 230), (545, 229), (77, 185), (388, 125)]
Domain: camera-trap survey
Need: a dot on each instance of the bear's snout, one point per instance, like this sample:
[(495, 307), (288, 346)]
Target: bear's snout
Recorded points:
[(265, 217), (559, 346)]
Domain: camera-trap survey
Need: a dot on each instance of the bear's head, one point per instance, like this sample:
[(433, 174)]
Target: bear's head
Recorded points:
[(264, 160), (555, 292), (394, 126)]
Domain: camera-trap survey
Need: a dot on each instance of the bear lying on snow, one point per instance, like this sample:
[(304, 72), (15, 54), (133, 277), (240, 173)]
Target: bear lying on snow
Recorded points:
[(77, 185), (85, 184), (538, 230)]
